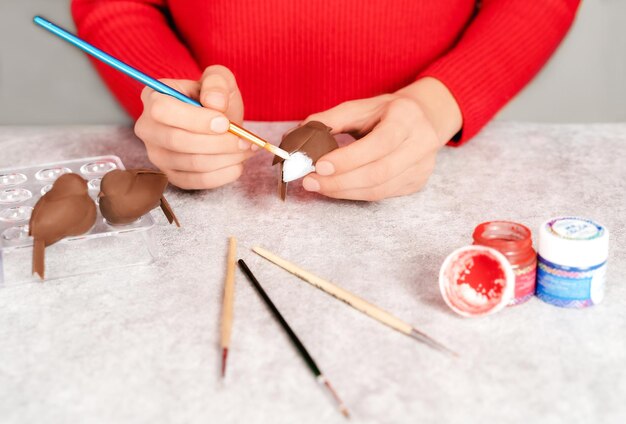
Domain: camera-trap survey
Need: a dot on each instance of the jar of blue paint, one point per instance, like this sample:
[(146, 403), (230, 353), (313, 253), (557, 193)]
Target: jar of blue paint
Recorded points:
[(572, 259)]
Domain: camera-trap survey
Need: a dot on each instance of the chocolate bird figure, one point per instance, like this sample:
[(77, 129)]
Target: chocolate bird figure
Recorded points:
[(125, 196), (66, 210), (313, 138)]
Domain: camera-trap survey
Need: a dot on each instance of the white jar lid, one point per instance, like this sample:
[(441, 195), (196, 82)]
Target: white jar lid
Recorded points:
[(574, 242), (494, 291)]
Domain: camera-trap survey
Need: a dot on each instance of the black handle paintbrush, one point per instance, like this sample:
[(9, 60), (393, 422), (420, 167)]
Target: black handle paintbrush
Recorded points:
[(294, 339)]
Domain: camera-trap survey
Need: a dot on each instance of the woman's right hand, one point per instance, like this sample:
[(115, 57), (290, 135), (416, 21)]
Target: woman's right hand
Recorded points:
[(190, 144)]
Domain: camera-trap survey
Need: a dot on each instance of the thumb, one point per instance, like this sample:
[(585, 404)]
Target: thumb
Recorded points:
[(188, 87)]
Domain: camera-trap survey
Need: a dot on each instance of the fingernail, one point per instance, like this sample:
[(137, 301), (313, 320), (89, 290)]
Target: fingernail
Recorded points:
[(310, 184), (219, 125), (324, 168), (243, 145), (215, 100)]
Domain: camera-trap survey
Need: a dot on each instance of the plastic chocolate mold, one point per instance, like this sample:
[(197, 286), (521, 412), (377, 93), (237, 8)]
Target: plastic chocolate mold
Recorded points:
[(104, 247)]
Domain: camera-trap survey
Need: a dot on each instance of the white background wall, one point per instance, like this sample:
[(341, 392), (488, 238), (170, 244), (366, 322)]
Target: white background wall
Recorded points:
[(44, 81)]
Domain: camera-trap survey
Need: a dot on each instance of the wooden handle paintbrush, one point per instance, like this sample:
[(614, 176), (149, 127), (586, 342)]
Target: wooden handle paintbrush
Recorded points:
[(228, 302), (150, 82), (353, 300)]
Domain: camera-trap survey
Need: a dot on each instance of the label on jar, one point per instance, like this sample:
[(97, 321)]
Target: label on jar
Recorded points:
[(576, 228), (570, 287), (525, 279)]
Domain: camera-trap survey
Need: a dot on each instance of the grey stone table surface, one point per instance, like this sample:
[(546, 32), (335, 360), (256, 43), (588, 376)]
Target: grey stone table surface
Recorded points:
[(139, 345)]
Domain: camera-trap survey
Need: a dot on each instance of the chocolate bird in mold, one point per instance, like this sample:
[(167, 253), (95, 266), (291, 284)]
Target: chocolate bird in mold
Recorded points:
[(66, 210), (314, 139), (125, 196)]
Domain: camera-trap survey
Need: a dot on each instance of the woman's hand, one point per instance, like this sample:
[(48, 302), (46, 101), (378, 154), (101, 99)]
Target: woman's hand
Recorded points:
[(398, 137), (190, 144)]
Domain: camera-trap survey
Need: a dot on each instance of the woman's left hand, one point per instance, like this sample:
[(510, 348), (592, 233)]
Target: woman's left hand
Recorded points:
[(394, 154)]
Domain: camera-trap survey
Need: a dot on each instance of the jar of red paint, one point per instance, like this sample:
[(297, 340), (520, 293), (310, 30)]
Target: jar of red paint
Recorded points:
[(514, 241)]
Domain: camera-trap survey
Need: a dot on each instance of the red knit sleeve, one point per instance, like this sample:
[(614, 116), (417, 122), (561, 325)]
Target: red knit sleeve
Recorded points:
[(499, 53), (136, 32)]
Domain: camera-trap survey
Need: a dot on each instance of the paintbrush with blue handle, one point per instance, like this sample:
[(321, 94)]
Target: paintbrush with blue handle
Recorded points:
[(150, 82)]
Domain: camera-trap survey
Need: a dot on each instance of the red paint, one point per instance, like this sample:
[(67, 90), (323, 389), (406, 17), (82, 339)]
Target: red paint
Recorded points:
[(483, 274), (476, 281), (514, 241)]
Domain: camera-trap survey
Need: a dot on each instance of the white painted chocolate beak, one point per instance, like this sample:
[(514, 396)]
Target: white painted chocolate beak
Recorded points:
[(297, 166)]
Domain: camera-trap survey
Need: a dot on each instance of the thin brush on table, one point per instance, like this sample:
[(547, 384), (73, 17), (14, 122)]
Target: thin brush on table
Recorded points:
[(227, 306), (150, 82), (353, 300), (294, 339)]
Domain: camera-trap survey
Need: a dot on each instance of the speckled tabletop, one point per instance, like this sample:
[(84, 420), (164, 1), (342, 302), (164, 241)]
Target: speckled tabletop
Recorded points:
[(139, 345)]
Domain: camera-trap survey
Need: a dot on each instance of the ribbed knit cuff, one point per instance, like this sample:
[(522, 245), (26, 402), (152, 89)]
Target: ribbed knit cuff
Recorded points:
[(475, 107), (499, 53)]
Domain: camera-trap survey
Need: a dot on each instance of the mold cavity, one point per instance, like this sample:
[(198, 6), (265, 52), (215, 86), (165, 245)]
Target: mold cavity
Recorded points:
[(12, 179), (16, 214), (51, 174), (15, 195), (99, 167)]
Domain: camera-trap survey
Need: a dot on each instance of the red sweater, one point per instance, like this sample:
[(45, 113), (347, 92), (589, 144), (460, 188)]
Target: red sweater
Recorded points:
[(292, 58)]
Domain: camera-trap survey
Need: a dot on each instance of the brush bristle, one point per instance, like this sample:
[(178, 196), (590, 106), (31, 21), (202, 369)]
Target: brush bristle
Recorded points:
[(224, 357), (342, 407)]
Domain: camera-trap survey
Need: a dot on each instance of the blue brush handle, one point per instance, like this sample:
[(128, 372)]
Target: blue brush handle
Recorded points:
[(151, 82), (113, 62)]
